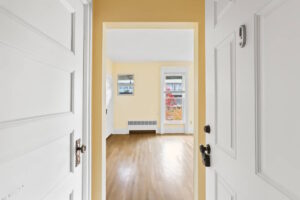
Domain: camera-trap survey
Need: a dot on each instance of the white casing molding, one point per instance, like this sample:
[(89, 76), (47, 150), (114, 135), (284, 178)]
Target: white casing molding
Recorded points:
[(121, 131)]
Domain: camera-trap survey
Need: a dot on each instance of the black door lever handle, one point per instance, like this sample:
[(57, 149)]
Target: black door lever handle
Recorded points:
[(205, 153), (203, 149)]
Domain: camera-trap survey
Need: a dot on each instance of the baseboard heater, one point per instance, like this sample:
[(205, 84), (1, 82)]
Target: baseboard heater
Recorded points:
[(142, 126)]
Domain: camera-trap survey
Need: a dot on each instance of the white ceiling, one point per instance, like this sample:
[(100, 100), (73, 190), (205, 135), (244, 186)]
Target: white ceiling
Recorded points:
[(138, 45)]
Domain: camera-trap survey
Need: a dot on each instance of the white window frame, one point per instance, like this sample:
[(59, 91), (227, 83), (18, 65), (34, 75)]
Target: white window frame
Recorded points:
[(174, 71)]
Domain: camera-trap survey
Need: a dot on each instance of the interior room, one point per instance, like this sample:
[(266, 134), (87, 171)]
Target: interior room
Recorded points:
[(150, 103)]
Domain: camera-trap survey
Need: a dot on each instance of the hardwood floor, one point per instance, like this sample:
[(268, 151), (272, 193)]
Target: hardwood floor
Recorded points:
[(149, 167)]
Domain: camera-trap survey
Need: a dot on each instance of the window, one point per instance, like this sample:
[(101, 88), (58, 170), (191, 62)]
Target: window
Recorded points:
[(125, 84), (174, 92)]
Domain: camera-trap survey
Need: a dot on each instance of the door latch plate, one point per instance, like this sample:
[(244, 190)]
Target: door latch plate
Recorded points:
[(77, 152)]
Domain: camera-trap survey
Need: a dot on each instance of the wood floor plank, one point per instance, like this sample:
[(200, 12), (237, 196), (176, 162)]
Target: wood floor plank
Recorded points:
[(149, 167)]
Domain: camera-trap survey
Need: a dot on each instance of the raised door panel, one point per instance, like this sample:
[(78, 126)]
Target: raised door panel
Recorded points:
[(27, 37), (223, 190), (225, 92), (58, 26), (30, 88), (278, 139), (35, 174)]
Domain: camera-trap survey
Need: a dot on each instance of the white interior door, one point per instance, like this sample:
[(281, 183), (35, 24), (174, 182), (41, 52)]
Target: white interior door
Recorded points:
[(253, 99), (41, 67)]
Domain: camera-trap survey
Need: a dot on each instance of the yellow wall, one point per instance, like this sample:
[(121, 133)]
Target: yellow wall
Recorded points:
[(146, 102), (141, 11)]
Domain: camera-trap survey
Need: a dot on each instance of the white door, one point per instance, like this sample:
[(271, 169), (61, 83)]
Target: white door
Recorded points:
[(253, 99), (41, 67)]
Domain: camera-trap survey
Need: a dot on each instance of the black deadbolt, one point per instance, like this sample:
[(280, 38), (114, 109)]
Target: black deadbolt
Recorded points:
[(207, 129)]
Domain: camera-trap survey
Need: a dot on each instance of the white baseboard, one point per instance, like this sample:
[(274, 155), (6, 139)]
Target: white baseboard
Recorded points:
[(190, 130), (107, 136), (123, 131), (174, 130)]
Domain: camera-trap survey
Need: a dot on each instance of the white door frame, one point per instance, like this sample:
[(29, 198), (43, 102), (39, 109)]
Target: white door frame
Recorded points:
[(87, 100), (176, 70)]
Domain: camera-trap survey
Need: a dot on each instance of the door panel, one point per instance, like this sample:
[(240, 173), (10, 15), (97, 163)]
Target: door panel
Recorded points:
[(41, 66), (278, 96), (36, 44), (252, 99), (225, 92), (48, 164), (43, 85), (57, 26), (223, 190)]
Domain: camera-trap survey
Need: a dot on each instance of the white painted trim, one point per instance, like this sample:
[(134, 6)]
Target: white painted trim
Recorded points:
[(196, 114), (108, 136), (162, 104), (110, 121), (174, 130), (186, 104), (86, 1), (178, 70), (103, 106), (190, 130), (121, 131), (87, 102)]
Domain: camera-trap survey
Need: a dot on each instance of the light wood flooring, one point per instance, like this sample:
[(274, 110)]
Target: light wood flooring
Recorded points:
[(149, 167)]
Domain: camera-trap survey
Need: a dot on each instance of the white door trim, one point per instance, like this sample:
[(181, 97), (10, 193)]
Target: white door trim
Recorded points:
[(87, 100)]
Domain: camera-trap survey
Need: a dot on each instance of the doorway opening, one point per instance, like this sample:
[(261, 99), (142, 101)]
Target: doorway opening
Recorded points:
[(149, 84)]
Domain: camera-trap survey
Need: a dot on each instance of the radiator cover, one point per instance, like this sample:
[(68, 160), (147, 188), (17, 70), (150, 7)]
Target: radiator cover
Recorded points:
[(136, 125)]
